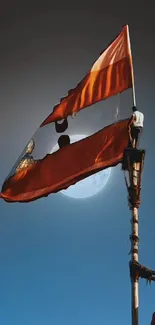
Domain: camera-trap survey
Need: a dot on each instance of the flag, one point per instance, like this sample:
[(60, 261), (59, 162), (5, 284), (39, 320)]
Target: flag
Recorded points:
[(111, 74), (35, 178)]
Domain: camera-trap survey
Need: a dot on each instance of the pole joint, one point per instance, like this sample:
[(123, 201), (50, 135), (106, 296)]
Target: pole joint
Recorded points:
[(134, 238)]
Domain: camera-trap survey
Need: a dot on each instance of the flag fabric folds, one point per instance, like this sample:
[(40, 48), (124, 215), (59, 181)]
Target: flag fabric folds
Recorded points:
[(38, 171), (111, 74), (71, 163)]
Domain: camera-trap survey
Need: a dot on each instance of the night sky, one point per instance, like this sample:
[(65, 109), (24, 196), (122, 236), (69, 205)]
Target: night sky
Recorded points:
[(65, 261)]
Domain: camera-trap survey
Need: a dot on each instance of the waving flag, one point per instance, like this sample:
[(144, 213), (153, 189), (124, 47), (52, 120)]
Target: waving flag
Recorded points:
[(32, 179), (111, 74), (41, 170)]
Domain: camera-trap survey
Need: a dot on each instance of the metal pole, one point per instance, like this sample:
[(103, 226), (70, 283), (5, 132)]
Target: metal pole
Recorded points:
[(133, 162), (134, 218), (134, 249)]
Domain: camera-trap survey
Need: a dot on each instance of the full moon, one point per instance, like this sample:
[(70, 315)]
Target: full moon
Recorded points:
[(89, 186)]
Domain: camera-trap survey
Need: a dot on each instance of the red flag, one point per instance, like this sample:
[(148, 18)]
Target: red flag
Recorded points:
[(111, 74), (73, 162)]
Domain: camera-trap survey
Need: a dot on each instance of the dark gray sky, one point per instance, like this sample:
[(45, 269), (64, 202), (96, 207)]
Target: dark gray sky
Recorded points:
[(57, 254)]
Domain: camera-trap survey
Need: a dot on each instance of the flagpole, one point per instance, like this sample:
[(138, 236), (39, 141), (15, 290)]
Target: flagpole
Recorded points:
[(134, 250), (132, 69), (133, 163)]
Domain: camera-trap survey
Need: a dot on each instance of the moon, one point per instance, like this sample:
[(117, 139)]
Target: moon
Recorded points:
[(89, 186)]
